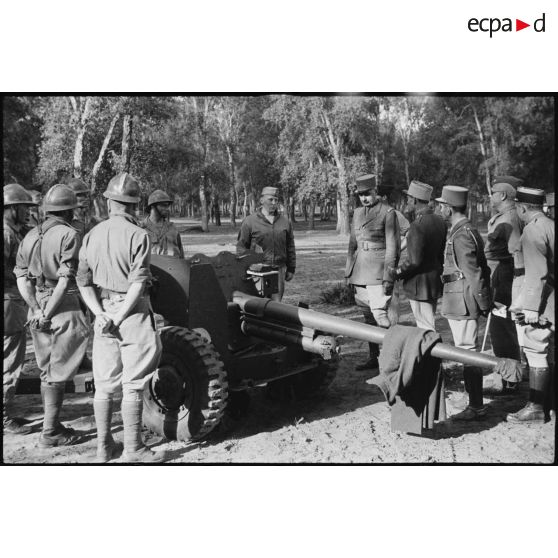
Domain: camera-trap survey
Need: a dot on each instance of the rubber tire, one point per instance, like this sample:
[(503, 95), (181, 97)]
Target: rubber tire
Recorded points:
[(306, 385), (199, 365)]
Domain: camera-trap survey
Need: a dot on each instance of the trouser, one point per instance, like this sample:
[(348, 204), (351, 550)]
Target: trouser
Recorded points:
[(60, 350), (125, 361), (371, 299), (15, 315), (503, 334), (465, 336), (538, 345), (424, 311)]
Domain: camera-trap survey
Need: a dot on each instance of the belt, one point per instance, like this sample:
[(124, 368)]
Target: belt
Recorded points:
[(112, 295), (451, 277), (506, 260), (370, 245), (518, 271)]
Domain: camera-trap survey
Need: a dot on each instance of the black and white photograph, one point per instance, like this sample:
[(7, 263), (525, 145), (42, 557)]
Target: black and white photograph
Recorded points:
[(279, 278)]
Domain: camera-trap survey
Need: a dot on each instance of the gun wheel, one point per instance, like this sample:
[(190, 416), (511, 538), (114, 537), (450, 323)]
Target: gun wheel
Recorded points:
[(186, 397)]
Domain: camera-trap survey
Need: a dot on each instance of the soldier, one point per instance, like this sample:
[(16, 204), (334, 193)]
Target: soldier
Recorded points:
[(113, 277), (466, 292), (83, 220), (374, 248), (35, 213), (269, 231), (17, 201), (500, 250), (46, 266), (165, 238), (422, 269), (536, 301), (550, 205)]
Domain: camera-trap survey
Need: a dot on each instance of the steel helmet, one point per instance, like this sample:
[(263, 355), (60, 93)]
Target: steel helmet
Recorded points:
[(123, 188), (158, 196), (59, 198), (15, 194), (78, 186)]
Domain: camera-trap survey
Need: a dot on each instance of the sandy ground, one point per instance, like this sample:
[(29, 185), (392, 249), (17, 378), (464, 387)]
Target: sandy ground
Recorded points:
[(350, 424)]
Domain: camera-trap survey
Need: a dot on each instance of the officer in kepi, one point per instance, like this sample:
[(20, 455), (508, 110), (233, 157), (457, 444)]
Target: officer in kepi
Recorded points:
[(421, 271), (113, 277), (17, 203), (374, 248), (466, 294), (270, 232), (165, 238), (533, 307), (46, 266)]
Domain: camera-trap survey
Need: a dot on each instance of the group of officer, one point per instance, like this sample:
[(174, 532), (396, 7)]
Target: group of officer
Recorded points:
[(510, 279), (70, 269)]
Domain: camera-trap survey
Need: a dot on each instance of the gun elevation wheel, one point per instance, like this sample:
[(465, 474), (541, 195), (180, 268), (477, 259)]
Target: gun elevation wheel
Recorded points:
[(187, 395)]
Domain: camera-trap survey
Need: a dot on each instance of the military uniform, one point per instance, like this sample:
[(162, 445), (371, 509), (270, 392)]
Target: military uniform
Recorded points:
[(164, 236), (48, 252), (466, 292), (275, 239), (535, 295), (422, 269), (15, 314), (114, 266)]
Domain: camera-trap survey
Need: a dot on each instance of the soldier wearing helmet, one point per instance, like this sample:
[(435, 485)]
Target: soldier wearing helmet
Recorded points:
[(83, 220), (36, 215), (46, 267), (165, 238), (113, 277), (17, 202)]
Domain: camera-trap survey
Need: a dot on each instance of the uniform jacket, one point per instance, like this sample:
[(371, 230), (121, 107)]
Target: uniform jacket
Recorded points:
[(464, 299), (164, 236), (114, 254), (422, 270), (55, 256), (504, 231), (276, 240), (374, 245), (537, 242), (13, 235)]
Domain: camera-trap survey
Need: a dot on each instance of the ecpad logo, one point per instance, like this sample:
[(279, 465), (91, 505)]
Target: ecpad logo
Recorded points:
[(494, 24)]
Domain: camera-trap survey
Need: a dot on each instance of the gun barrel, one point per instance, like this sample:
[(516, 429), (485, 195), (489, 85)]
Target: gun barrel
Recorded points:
[(265, 308)]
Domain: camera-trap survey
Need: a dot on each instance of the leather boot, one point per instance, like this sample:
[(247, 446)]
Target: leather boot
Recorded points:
[(372, 362), (539, 379), (106, 446), (134, 449), (473, 384), (13, 425), (54, 434)]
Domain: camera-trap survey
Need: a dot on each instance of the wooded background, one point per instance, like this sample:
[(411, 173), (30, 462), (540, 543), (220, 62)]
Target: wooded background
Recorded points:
[(214, 154)]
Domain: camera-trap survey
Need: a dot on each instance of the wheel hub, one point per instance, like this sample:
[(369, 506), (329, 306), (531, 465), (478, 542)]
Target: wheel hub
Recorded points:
[(169, 389)]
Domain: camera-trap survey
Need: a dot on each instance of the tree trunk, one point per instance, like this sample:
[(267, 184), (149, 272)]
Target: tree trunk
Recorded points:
[(100, 158), (203, 202), (406, 160), (82, 121), (232, 178), (311, 210), (126, 143), (482, 148)]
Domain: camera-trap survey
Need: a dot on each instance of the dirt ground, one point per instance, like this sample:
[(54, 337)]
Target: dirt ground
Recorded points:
[(350, 424)]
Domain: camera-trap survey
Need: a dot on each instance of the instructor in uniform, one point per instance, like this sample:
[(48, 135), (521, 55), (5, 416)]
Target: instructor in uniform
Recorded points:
[(113, 277), (270, 232), (46, 268), (536, 301), (466, 294), (374, 248), (17, 202)]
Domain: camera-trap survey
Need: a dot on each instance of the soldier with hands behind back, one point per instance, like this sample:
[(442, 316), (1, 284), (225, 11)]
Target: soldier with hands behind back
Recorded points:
[(46, 268), (113, 277)]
